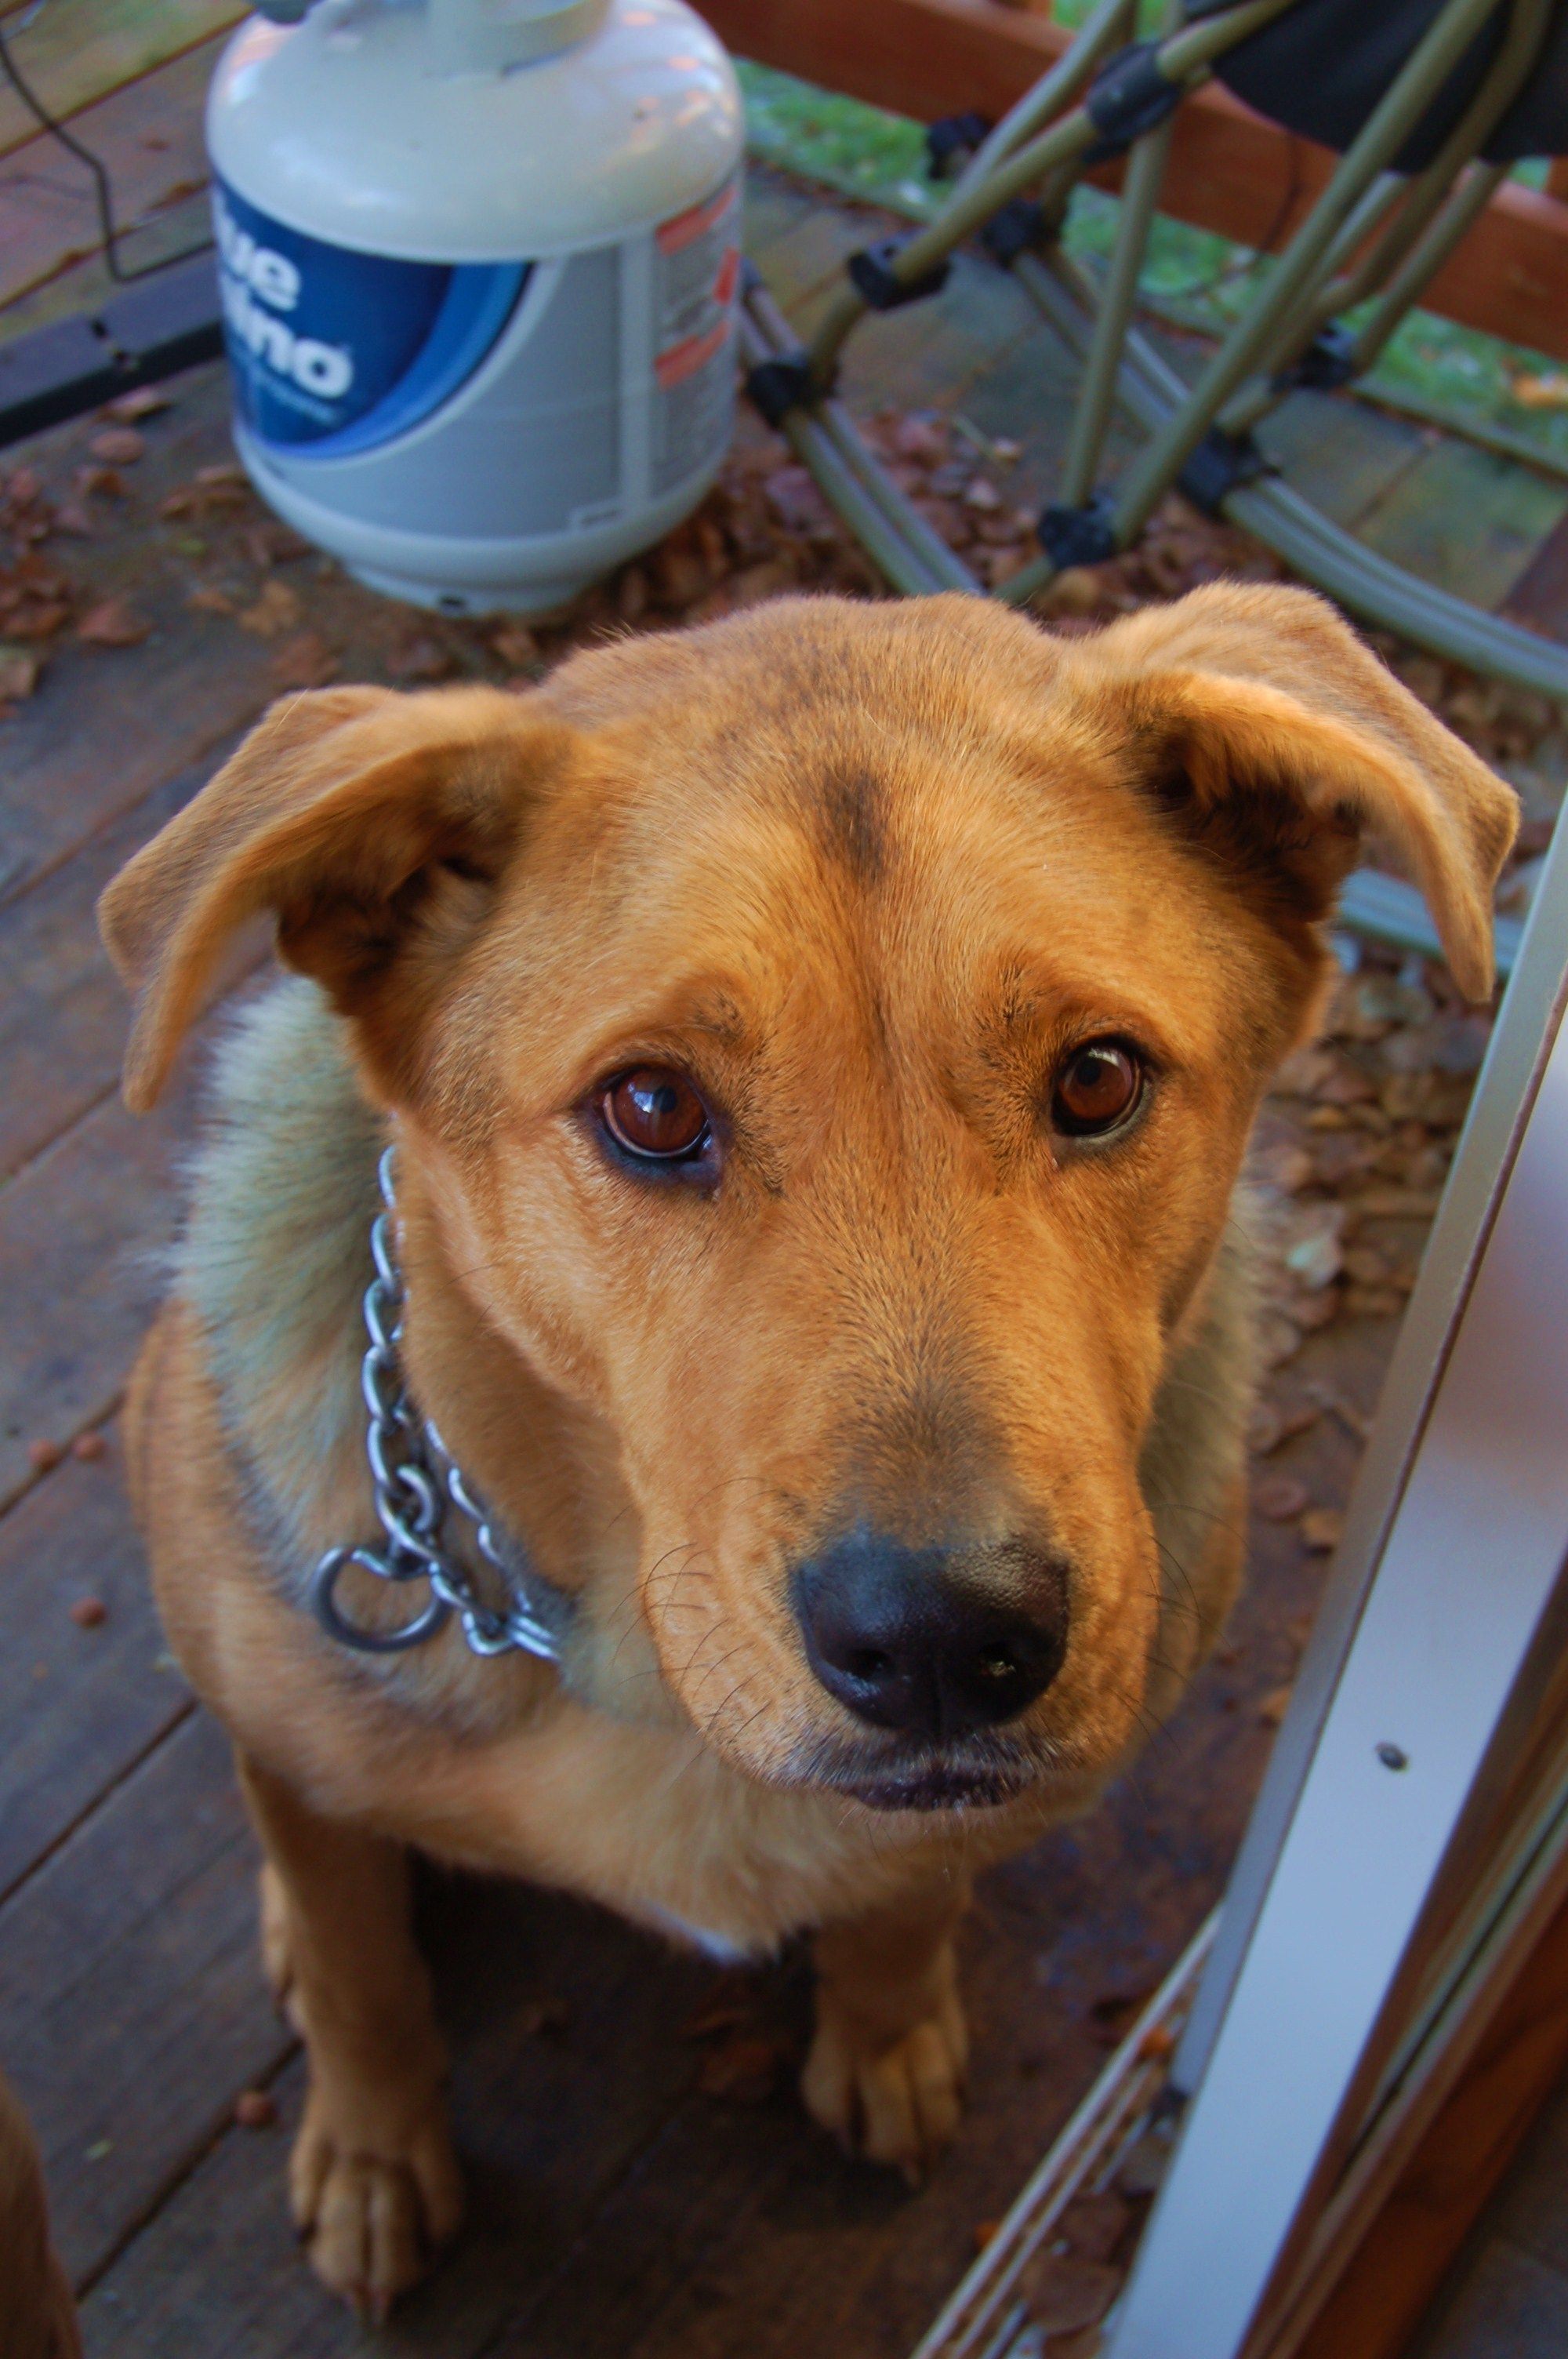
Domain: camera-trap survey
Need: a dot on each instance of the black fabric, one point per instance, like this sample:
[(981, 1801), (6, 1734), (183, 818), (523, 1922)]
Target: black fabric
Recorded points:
[(1322, 67)]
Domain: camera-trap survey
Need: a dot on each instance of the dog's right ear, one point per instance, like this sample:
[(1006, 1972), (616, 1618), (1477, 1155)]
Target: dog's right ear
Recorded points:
[(369, 823)]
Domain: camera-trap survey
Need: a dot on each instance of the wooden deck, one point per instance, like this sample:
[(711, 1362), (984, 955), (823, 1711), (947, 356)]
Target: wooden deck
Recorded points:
[(643, 2181), (1507, 2297)]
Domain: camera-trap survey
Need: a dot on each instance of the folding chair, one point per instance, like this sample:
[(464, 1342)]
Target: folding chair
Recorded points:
[(1429, 104)]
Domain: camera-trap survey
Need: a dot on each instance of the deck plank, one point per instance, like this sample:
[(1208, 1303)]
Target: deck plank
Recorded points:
[(133, 2011), (149, 138), (63, 1010), (81, 1232), (109, 725), (546, 2125), (1466, 521), (78, 1706), (75, 51), (1511, 2306)]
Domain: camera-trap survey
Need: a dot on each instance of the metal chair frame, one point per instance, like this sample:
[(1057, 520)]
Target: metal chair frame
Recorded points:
[(1373, 234)]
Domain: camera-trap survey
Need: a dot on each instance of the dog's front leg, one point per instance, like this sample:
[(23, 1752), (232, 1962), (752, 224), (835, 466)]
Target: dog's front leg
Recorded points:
[(886, 2069), (373, 2181)]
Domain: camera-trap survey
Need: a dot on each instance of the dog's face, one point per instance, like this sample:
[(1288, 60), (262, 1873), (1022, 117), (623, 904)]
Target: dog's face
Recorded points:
[(829, 1041)]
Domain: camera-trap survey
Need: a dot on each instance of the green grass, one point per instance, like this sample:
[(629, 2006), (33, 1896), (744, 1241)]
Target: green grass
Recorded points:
[(1193, 278)]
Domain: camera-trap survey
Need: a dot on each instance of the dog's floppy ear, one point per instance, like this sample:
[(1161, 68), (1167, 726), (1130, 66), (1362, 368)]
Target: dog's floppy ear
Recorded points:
[(357, 816), (1276, 738)]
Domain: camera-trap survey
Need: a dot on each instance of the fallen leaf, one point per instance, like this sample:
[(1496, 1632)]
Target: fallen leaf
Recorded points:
[(743, 2069), (543, 2018), (1063, 2293), (516, 646), (1094, 2225), (1274, 1706), (43, 1456), (304, 661), (114, 624), (89, 1613), (1280, 1498), (1311, 1247), (141, 401), (117, 446), (20, 672), (1549, 392), (1321, 1528), (88, 1445), (276, 611), (1285, 1167), (255, 2110)]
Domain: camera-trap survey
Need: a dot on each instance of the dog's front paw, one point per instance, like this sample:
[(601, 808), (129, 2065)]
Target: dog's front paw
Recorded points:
[(374, 2212), (898, 2101)]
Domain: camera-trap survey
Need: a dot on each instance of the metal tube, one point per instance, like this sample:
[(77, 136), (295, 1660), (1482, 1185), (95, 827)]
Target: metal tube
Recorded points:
[(1378, 139), (944, 563), (1430, 195), (1111, 21), (899, 565), (1183, 59), (1466, 204), (1091, 414)]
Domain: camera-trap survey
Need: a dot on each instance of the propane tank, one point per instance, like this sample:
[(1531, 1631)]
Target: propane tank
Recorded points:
[(479, 262)]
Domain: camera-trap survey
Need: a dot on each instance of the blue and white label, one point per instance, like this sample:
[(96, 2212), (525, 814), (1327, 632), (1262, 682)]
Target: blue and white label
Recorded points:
[(335, 353)]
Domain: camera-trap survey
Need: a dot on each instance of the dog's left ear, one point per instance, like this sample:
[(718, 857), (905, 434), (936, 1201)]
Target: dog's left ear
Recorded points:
[(1274, 738), (371, 825)]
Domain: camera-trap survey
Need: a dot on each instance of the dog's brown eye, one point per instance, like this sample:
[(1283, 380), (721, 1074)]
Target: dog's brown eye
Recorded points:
[(654, 1112), (1097, 1087)]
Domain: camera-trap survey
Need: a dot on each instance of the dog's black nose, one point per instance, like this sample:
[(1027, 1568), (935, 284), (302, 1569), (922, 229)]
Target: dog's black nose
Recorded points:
[(910, 1643)]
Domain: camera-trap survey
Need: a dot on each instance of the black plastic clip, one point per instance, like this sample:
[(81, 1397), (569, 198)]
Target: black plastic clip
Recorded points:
[(1220, 463), (952, 139), (1328, 362), (1129, 96), (1013, 230), (777, 387), (871, 273), (1077, 536)]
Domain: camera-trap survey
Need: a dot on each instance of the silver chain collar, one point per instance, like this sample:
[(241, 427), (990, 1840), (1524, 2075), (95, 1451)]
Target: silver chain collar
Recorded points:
[(415, 1481)]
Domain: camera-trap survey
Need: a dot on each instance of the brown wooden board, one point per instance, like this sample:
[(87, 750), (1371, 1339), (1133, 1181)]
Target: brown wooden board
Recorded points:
[(548, 2121), (63, 1010), (1464, 520), (82, 1230), (73, 52), (148, 137), (132, 2010), (109, 725), (80, 1706)]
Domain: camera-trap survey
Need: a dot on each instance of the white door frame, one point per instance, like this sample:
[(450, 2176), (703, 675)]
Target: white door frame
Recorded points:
[(1453, 1547)]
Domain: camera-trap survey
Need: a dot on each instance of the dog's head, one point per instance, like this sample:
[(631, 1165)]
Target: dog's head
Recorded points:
[(830, 1041)]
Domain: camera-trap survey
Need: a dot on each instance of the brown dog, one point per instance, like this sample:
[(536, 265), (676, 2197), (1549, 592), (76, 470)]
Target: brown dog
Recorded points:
[(821, 1051)]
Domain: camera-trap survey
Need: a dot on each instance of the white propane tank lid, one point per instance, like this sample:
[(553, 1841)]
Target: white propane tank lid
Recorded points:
[(363, 125), (488, 36)]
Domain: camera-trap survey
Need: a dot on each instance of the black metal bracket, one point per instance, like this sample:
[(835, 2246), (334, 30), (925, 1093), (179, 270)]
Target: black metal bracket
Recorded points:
[(952, 139), (1218, 466), (166, 322), (775, 387), (1328, 362), (1013, 230), (1129, 96), (1077, 536), (872, 274)]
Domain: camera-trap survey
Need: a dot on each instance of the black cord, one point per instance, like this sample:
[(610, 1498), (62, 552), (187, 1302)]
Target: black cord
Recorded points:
[(102, 187)]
